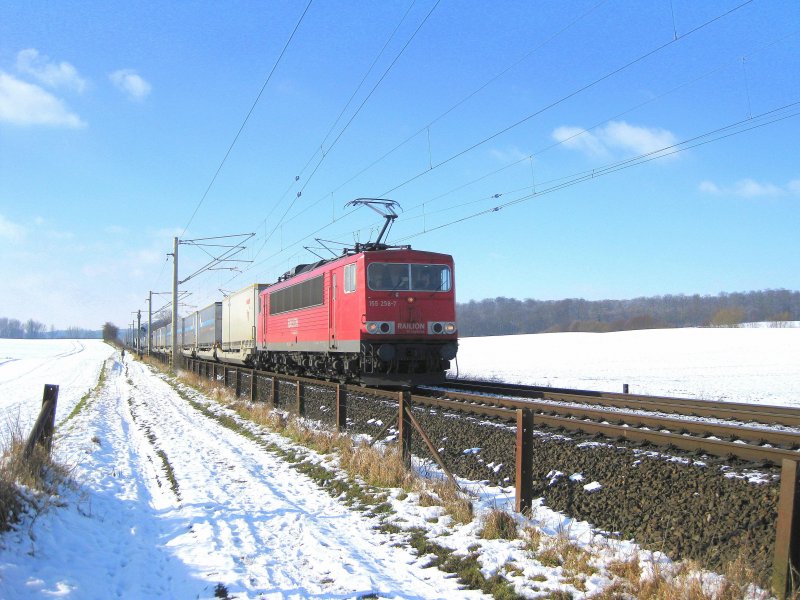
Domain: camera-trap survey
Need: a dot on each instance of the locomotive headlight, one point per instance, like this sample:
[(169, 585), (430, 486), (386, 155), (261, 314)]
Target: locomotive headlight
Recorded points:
[(449, 327), (437, 328), (379, 327)]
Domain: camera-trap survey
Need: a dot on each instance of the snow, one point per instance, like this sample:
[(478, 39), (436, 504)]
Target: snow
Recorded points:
[(27, 365), (752, 364), (239, 516)]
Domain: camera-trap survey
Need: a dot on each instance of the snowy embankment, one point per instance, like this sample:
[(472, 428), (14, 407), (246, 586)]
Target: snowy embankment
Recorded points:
[(749, 364), (239, 516)]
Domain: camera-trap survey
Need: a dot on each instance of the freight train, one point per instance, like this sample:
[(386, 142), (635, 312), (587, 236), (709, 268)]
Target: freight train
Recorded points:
[(376, 315)]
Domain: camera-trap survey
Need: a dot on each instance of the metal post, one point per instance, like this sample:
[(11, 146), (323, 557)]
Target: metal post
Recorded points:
[(150, 324), (175, 304), (524, 461), (300, 407), (252, 385), (238, 383), (274, 393), (786, 566), (139, 332), (341, 409), (404, 425)]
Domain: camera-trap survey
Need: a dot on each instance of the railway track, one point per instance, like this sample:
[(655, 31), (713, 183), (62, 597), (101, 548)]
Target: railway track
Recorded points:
[(745, 432), (752, 433)]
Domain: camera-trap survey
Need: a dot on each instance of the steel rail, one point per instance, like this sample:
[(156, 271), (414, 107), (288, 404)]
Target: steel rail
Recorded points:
[(738, 411), (703, 428), (691, 443), (684, 442)]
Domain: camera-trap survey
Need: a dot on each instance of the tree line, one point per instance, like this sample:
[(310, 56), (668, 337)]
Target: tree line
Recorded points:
[(509, 316), (32, 330)]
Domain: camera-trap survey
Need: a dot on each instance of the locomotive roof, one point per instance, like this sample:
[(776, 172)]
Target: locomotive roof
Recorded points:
[(307, 268)]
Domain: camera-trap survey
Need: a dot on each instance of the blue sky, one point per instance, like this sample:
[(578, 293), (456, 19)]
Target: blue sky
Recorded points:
[(115, 117)]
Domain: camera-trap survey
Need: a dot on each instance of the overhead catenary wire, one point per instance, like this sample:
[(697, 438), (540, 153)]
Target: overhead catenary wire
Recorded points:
[(619, 167), (582, 176), (459, 103), (347, 125), (769, 117), (563, 99), (336, 121), (551, 105), (631, 162), (246, 118)]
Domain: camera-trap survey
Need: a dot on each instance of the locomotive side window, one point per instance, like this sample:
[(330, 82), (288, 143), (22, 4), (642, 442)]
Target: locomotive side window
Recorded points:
[(301, 295), (405, 277), (350, 278)]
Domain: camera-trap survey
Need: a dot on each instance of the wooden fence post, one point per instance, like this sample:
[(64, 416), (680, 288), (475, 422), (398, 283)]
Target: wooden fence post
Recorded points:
[(524, 461), (786, 567), (45, 423), (404, 425), (253, 377), (341, 409), (237, 384)]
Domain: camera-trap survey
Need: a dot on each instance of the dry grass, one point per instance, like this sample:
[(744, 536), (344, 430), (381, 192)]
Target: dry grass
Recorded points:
[(682, 581), (38, 473), (380, 467), (498, 525), (456, 503), (533, 538)]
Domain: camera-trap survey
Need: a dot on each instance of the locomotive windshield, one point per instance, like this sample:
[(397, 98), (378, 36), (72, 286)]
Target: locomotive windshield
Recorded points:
[(408, 277)]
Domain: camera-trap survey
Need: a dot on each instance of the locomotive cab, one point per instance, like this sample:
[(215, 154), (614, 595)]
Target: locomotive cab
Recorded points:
[(409, 332)]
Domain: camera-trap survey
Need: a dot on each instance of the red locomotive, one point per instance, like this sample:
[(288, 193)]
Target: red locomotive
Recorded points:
[(383, 315), (377, 314)]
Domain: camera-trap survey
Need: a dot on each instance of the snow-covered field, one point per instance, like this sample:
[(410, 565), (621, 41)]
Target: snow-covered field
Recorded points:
[(27, 365), (243, 518), (749, 364)]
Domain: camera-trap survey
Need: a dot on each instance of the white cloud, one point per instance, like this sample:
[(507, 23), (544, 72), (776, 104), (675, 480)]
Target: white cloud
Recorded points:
[(709, 187), (616, 135), (638, 139), (131, 83), (512, 154), (11, 231), (750, 188), (50, 73), (23, 103), (579, 139)]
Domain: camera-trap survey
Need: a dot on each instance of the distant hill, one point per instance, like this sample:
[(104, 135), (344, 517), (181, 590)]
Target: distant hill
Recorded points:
[(509, 316)]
